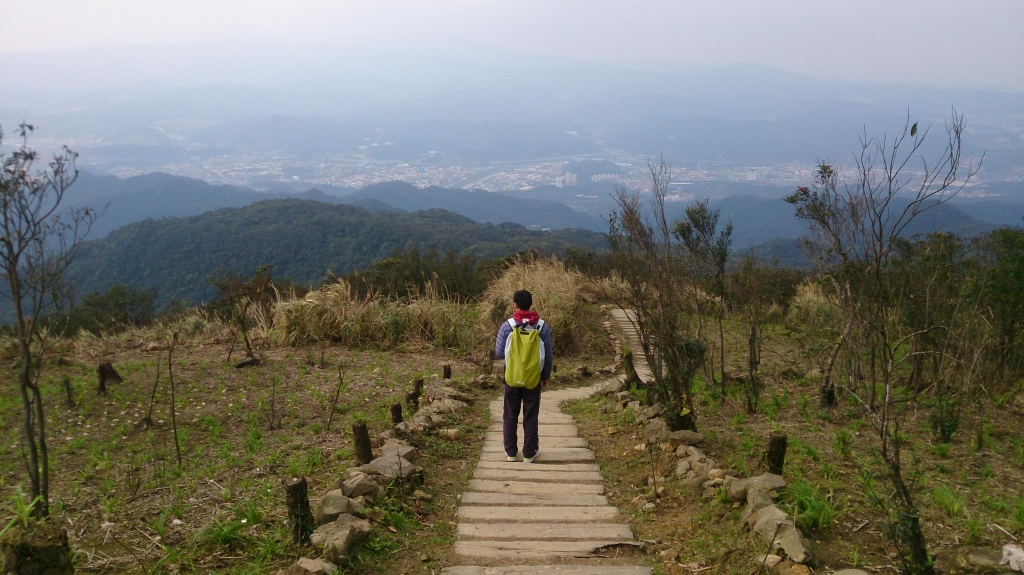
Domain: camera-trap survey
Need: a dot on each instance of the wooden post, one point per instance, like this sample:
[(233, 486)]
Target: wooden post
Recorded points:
[(447, 371), (776, 455), (396, 413), (107, 373), (300, 518), (361, 436), (413, 397)]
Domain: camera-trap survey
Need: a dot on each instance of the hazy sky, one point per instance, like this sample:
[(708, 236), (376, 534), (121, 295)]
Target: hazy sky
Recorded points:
[(939, 42)]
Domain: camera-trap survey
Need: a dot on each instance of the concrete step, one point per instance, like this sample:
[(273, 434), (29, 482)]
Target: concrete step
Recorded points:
[(495, 442), (548, 570), (529, 549), (537, 531), (538, 474), (565, 455), (547, 466), (539, 498), (526, 487), (543, 430), (536, 514)]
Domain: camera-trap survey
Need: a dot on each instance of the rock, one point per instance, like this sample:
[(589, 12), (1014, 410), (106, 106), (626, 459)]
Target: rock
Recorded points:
[(649, 507), (615, 386), (757, 499), (797, 548), (682, 468), (357, 506), (449, 433), (402, 427), (439, 392), (714, 483), (717, 474), (669, 555), (336, 539), (790, 568), (394, 467), (1013, 555), (685, 437), (767, 482), (331, 506), (624, 396), (44, 549), (640, 504), (360, 484), (307, 566), (634, 405), (709, 493), (768, 520), (653, 411), (851, 572), (768, 561), (656, 431), (979, 561), (394, 447), (421, 496)]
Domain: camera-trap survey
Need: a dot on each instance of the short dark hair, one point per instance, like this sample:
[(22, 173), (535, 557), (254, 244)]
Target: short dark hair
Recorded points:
[(523, 299)]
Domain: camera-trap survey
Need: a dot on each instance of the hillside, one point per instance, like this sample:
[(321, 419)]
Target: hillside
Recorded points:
[(480, 206), (303, 239)]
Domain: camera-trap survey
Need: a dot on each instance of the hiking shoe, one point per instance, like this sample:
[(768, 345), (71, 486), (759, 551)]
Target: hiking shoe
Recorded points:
[(510, 458), (528, 459)]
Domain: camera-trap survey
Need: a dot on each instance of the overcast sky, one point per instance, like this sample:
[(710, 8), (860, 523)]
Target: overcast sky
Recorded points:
[(953, 43)]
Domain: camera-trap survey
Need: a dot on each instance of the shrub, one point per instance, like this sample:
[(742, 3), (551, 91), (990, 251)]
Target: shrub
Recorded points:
[(949, 501), (556, 296), (812, 509)]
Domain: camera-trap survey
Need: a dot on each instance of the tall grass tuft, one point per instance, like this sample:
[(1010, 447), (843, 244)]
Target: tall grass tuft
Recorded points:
[(336, 313), (556, 297)]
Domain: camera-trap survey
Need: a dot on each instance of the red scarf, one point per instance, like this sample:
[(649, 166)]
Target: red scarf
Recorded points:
[(530, 317)]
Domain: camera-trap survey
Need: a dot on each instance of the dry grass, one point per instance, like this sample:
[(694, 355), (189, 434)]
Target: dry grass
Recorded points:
[(335, 313), (556, 297)]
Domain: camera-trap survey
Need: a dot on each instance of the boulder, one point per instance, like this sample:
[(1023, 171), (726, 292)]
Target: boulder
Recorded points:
[(615, 386), (306, 566), (980, 561), (767, 482), (790, 568), (624, 396), (442, 406), (757, 499), (717, 474), (401, 449), (331, 506), (685, 437), (682, 468), (393, 467), (656, 431), (796, 546), (336, 539), (768, 523), (768, 561), (360, 484), (653, 411), (437, 392), (634, 405)]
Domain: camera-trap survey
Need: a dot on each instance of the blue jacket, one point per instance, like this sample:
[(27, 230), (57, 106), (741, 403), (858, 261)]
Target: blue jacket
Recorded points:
[(545, 338)]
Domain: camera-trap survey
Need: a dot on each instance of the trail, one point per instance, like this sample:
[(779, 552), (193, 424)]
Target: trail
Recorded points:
[(546, 517)]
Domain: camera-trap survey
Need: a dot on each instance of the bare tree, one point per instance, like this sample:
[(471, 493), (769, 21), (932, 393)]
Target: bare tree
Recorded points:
[(707, 244), (37, 245), (855, 229), (659, 284)]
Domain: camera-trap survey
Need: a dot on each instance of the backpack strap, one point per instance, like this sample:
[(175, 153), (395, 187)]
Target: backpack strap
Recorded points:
[(512, 322)]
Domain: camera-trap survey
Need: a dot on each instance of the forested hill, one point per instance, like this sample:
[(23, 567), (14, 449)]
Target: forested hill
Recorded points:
[(303, 239)]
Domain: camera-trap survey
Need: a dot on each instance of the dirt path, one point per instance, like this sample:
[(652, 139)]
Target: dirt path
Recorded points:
[(550, 516)]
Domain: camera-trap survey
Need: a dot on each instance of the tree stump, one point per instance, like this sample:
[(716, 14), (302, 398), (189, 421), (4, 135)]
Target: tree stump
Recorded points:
[(447, 369), (828, 397), (42, 548), (107, 373), (776, 455), (361, 436), (413, 397), (631, 375), (300, 518), (396, 413)]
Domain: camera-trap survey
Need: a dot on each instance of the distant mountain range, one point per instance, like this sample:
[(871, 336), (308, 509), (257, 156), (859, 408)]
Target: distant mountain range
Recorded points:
[(303, 239)]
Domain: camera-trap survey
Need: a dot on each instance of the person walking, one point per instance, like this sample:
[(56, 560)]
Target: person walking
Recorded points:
[(524, 342)]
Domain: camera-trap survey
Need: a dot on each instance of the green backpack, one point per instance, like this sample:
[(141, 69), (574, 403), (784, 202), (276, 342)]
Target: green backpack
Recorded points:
[(524, 355)]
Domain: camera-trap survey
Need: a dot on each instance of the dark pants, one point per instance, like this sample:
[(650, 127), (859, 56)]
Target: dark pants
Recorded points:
[(529, 399)]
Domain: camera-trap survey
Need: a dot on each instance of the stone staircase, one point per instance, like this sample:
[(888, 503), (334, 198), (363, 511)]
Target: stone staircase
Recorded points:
[(546, 517)]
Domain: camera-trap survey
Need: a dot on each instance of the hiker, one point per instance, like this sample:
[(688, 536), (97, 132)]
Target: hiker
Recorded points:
[(524, 342)]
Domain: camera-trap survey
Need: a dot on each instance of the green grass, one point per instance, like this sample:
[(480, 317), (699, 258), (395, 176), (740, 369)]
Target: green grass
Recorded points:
[(949, 501), (812, 509)]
